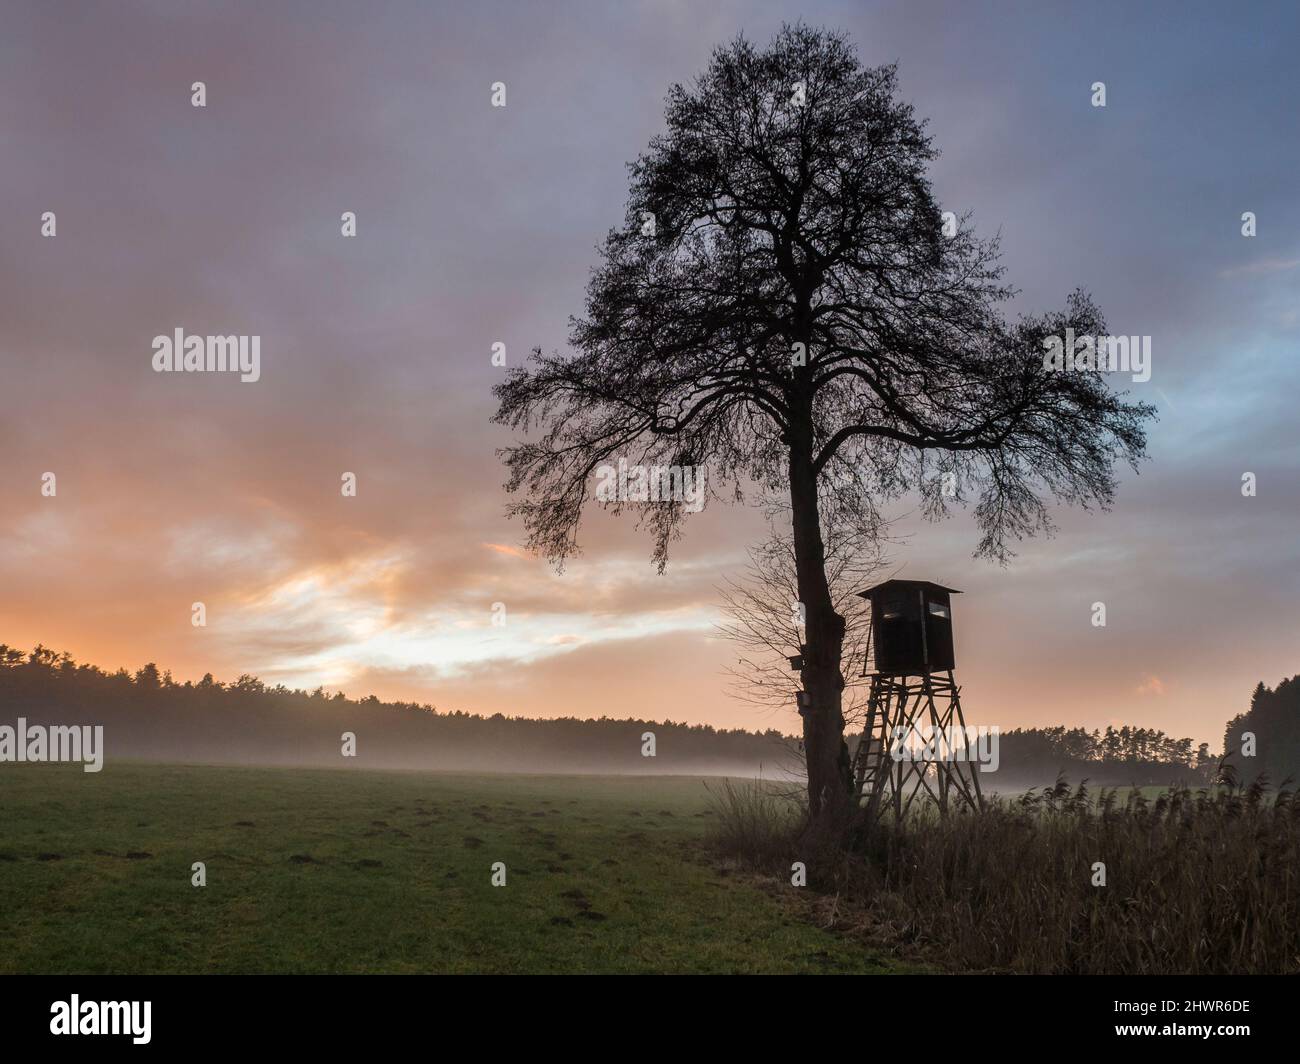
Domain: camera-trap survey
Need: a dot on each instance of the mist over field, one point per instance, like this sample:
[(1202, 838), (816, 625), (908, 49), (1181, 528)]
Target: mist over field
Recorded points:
[(390, 751), (445, 744)]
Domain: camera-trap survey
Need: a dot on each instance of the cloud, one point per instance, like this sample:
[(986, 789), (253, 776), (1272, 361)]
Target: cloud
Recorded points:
[(1151, 685), (1261, 266)]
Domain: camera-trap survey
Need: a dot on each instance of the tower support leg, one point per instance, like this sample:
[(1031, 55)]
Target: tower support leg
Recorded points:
[(915, 740)]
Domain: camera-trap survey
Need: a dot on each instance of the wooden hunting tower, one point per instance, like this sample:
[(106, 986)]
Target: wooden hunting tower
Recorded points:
[(913, 698), (911, 626)]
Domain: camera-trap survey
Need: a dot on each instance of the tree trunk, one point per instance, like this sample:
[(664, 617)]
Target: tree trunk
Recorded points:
[(830, 776)]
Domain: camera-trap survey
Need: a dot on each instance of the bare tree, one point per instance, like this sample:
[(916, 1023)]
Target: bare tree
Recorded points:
[(765, 617), (780, 300)]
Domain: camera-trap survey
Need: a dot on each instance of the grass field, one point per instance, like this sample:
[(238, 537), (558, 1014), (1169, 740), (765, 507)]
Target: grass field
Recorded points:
[(348, 871)]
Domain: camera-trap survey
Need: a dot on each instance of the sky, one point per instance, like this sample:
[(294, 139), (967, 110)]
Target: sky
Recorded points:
[(478, 225)]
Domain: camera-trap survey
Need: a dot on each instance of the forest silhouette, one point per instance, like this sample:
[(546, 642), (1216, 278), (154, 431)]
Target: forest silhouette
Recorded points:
[(151, 717)]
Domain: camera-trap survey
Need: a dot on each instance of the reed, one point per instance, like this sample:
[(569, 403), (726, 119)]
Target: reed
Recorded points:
[(1204, 881)]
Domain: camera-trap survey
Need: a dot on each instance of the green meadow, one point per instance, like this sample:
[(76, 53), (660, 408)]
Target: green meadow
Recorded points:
[(353, 871)]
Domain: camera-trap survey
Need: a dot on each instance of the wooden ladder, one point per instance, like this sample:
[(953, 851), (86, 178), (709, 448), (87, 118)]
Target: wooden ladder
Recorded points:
[(870, 755)]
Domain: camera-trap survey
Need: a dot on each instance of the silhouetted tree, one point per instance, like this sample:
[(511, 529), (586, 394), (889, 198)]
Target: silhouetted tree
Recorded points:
[(781, 308), (1274, 720)]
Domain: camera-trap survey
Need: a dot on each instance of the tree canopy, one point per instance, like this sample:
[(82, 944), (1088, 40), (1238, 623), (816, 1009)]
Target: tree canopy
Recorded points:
[(787, 203)]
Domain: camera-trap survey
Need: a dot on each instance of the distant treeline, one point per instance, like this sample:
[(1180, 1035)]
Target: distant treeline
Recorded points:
[(1114, 757), (148, 716), (1262, 743)]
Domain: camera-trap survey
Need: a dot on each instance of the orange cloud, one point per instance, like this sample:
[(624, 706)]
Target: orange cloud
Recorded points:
[(1152, 685)]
